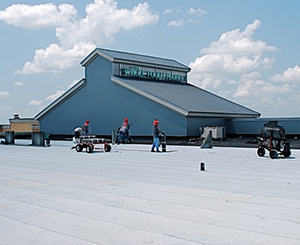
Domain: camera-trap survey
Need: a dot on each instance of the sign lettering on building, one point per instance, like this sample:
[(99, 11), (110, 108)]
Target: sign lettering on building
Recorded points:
[(156, 75)]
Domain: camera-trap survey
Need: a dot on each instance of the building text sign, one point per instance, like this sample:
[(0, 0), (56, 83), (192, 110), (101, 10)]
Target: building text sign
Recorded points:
[(135, 72)]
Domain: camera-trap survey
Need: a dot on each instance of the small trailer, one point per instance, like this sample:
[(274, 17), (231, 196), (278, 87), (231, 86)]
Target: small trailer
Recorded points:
[(272, 138), (89, 143)]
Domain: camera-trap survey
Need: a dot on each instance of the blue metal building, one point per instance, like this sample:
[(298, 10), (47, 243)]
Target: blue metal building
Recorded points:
[(141, 88)]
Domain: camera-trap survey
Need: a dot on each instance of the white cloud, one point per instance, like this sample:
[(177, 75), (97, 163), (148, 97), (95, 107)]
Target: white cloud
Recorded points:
[(18, 84), (211, 82), (168, 11), (181, 22), (176, 23), (296, 98), (77, 36), (55, 96), (259, 94), (33, 17), (192, 20), (239, 43), (198, 11), (290, 75), (4, 94), (234, 53), (55, 58), (35, 103), (232, 68), (172, 10)]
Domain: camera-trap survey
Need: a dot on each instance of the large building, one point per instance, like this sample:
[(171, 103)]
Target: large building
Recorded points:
[(141, 88)]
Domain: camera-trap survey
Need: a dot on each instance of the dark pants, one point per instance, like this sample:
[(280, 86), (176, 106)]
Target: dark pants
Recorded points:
[(122, 136)]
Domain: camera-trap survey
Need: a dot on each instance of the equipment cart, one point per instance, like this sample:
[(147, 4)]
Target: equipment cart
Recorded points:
[(90, 143), (272, 138)]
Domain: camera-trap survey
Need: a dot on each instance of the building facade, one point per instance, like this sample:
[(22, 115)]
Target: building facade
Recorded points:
[(18, 124), (252, 126), (141, 88)]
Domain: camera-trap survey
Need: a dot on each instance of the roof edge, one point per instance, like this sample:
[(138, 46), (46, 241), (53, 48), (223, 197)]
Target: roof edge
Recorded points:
[(93, 55), (101, 52), (149, 96), (66, 95), (226, 115), (255, 113), (153, 65)]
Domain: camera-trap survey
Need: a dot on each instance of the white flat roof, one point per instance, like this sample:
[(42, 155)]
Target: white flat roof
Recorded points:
[(55, 195)]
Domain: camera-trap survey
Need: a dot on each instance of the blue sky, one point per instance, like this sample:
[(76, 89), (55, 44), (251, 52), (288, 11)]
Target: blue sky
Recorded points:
[(245, 51)]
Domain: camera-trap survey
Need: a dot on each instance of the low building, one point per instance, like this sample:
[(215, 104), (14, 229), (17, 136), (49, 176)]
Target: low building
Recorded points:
[(141, 88), (4, 128), (18, 124)]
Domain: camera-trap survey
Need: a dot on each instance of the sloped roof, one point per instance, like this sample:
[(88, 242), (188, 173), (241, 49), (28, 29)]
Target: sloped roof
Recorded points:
[(131, 58), (186, 99)]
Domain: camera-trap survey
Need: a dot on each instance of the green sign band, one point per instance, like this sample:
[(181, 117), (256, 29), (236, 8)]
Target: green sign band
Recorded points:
[(162, 76)]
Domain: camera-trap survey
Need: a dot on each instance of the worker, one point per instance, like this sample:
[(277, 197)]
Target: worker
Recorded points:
[(78, 132), (124, 131), (155, 133), (86, 127)]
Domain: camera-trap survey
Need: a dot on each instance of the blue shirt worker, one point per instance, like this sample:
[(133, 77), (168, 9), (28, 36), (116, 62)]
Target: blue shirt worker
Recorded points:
[(155, 133), (124, 131)]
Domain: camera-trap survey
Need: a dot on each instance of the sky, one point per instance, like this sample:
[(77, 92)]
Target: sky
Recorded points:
[(245, 51)]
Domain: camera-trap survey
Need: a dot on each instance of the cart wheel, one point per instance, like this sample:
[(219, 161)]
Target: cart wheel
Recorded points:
[(286, 150), (273, 154), (261, 152), (89, 149), (78, 148), (107, 148), (287, 154)]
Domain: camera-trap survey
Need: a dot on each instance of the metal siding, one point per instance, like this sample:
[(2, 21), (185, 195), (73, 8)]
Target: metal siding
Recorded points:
[(78, 86), (81, 106), (236, 126), (144, 111), (63, 119), (102, 106), (252, 126), (106, 105), (291, 125), (111, 103)]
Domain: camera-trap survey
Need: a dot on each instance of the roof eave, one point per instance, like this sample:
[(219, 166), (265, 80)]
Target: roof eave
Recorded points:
[(223, 115)]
